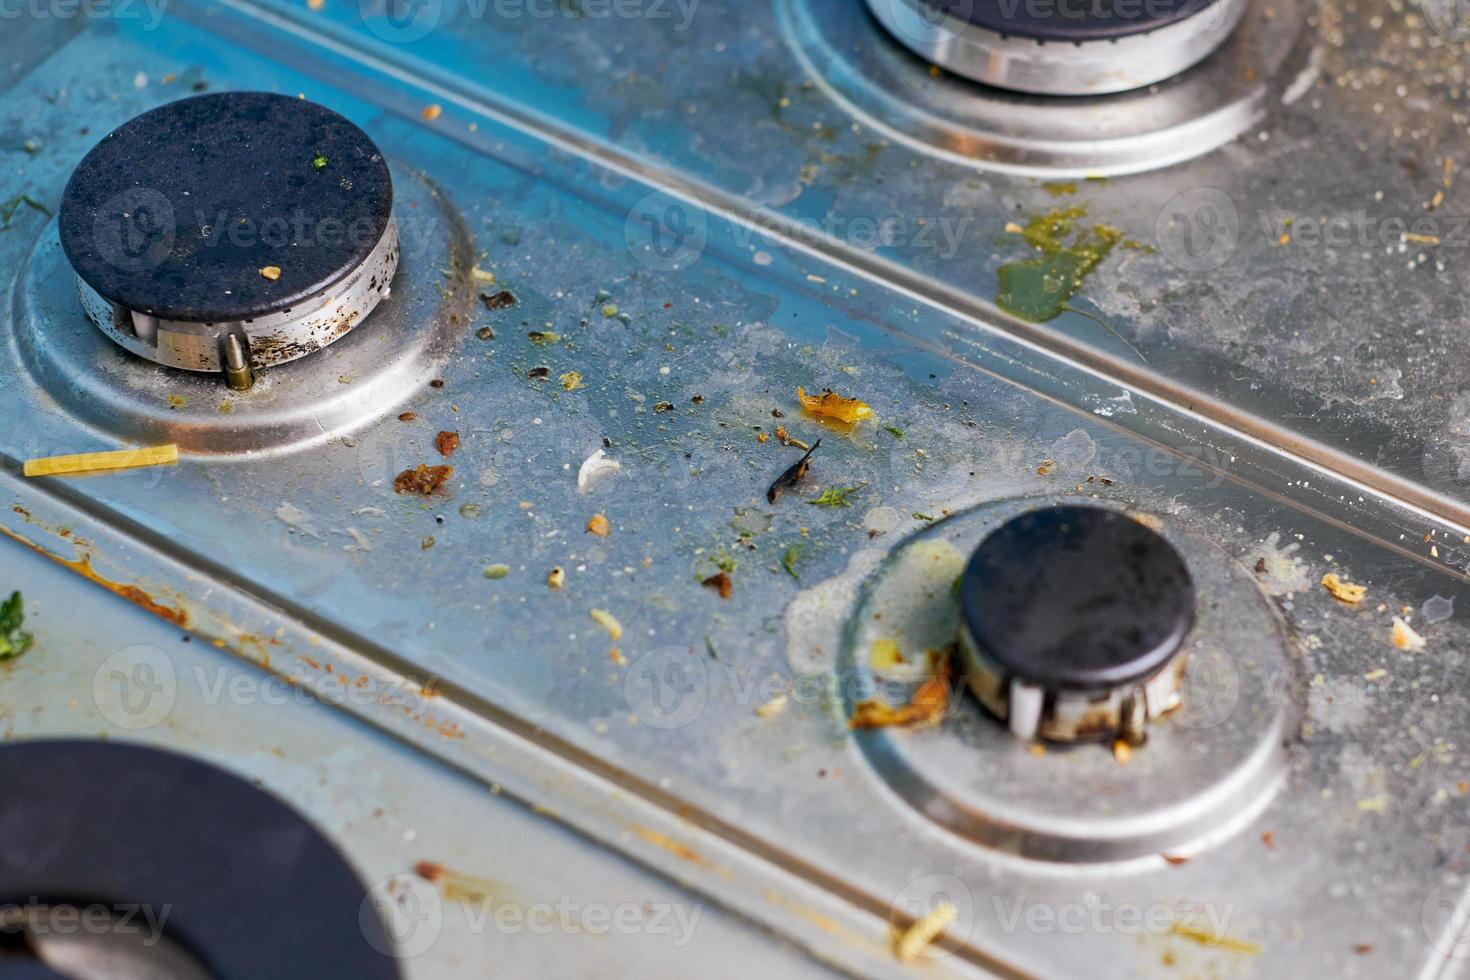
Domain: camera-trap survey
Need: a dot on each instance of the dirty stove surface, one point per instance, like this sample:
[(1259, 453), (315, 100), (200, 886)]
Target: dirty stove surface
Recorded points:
[(695, 215)]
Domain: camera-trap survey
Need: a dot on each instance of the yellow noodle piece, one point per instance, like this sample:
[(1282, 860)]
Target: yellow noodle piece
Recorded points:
[(120, 459)]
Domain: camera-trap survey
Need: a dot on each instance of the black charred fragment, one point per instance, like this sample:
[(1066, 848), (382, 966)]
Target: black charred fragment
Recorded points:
[(792, 475), (502, 300)]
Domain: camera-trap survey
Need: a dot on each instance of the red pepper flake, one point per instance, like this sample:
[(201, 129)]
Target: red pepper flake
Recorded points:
[(446, 443), (424, 479)]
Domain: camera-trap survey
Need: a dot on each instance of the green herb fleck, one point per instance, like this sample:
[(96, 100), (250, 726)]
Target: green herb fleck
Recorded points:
[(8, 208), (923, 517), (709, 645), (835, 496), (319, 161), (14, 641), (497, 571), (894, 431), (789, 560)]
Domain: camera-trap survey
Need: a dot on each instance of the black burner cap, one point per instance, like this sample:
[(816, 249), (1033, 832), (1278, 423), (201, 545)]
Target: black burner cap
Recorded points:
[(176, 212), (1077, 598), (251, 889), (1070, 21)]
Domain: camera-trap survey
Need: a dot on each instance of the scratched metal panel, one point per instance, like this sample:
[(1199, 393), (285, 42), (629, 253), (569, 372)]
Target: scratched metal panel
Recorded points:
[(1300, 311), (387, 807), (303, 557)]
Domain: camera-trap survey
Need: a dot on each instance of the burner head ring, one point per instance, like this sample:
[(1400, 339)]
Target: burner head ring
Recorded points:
[(235, 230), (1062, 47)]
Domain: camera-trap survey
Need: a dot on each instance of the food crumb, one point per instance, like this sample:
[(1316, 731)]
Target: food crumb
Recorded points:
[(911, 943), (597, 524), (926, 707), (1342, 590), (721, 583), (772, 707), (1122, 751), (1405, 637), (407, 417), (432, 112), (446, 443), (607, 621), (556, 578), (424, 479), (271, 272)]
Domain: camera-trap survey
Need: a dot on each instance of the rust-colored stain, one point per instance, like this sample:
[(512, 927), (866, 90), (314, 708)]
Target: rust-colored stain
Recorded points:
[(83, 567), (457, 885), (1209, 939), (680, 851)]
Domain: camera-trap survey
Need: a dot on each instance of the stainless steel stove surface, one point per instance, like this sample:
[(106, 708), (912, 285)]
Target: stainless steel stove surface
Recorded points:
[(596, 670)]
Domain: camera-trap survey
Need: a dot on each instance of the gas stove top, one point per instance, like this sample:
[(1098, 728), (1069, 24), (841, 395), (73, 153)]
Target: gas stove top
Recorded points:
[(916, 487)]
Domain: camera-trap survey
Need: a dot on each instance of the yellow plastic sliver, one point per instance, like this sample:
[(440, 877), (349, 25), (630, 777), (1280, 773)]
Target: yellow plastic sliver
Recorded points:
[(119, 459)]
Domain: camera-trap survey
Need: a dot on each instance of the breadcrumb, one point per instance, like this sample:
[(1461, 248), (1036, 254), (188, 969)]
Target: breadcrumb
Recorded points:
[(1342, 590)]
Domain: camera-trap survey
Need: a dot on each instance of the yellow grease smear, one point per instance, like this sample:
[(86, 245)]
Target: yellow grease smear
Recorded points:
[(1206, 938), (1037, 289)]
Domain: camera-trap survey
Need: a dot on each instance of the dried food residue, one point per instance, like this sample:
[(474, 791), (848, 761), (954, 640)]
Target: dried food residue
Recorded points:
[(446, 443), (14, 640), (594, 467), (1342, 590), (835, 496), (792, 476), (597, 524), (721, 583), (1038, 289), (789, 558), (502, 300), (424, 479), (1210, 939), (926, 707), (1405, 637), (607, 621), (833, 406), (909, 944), (8, 208)]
